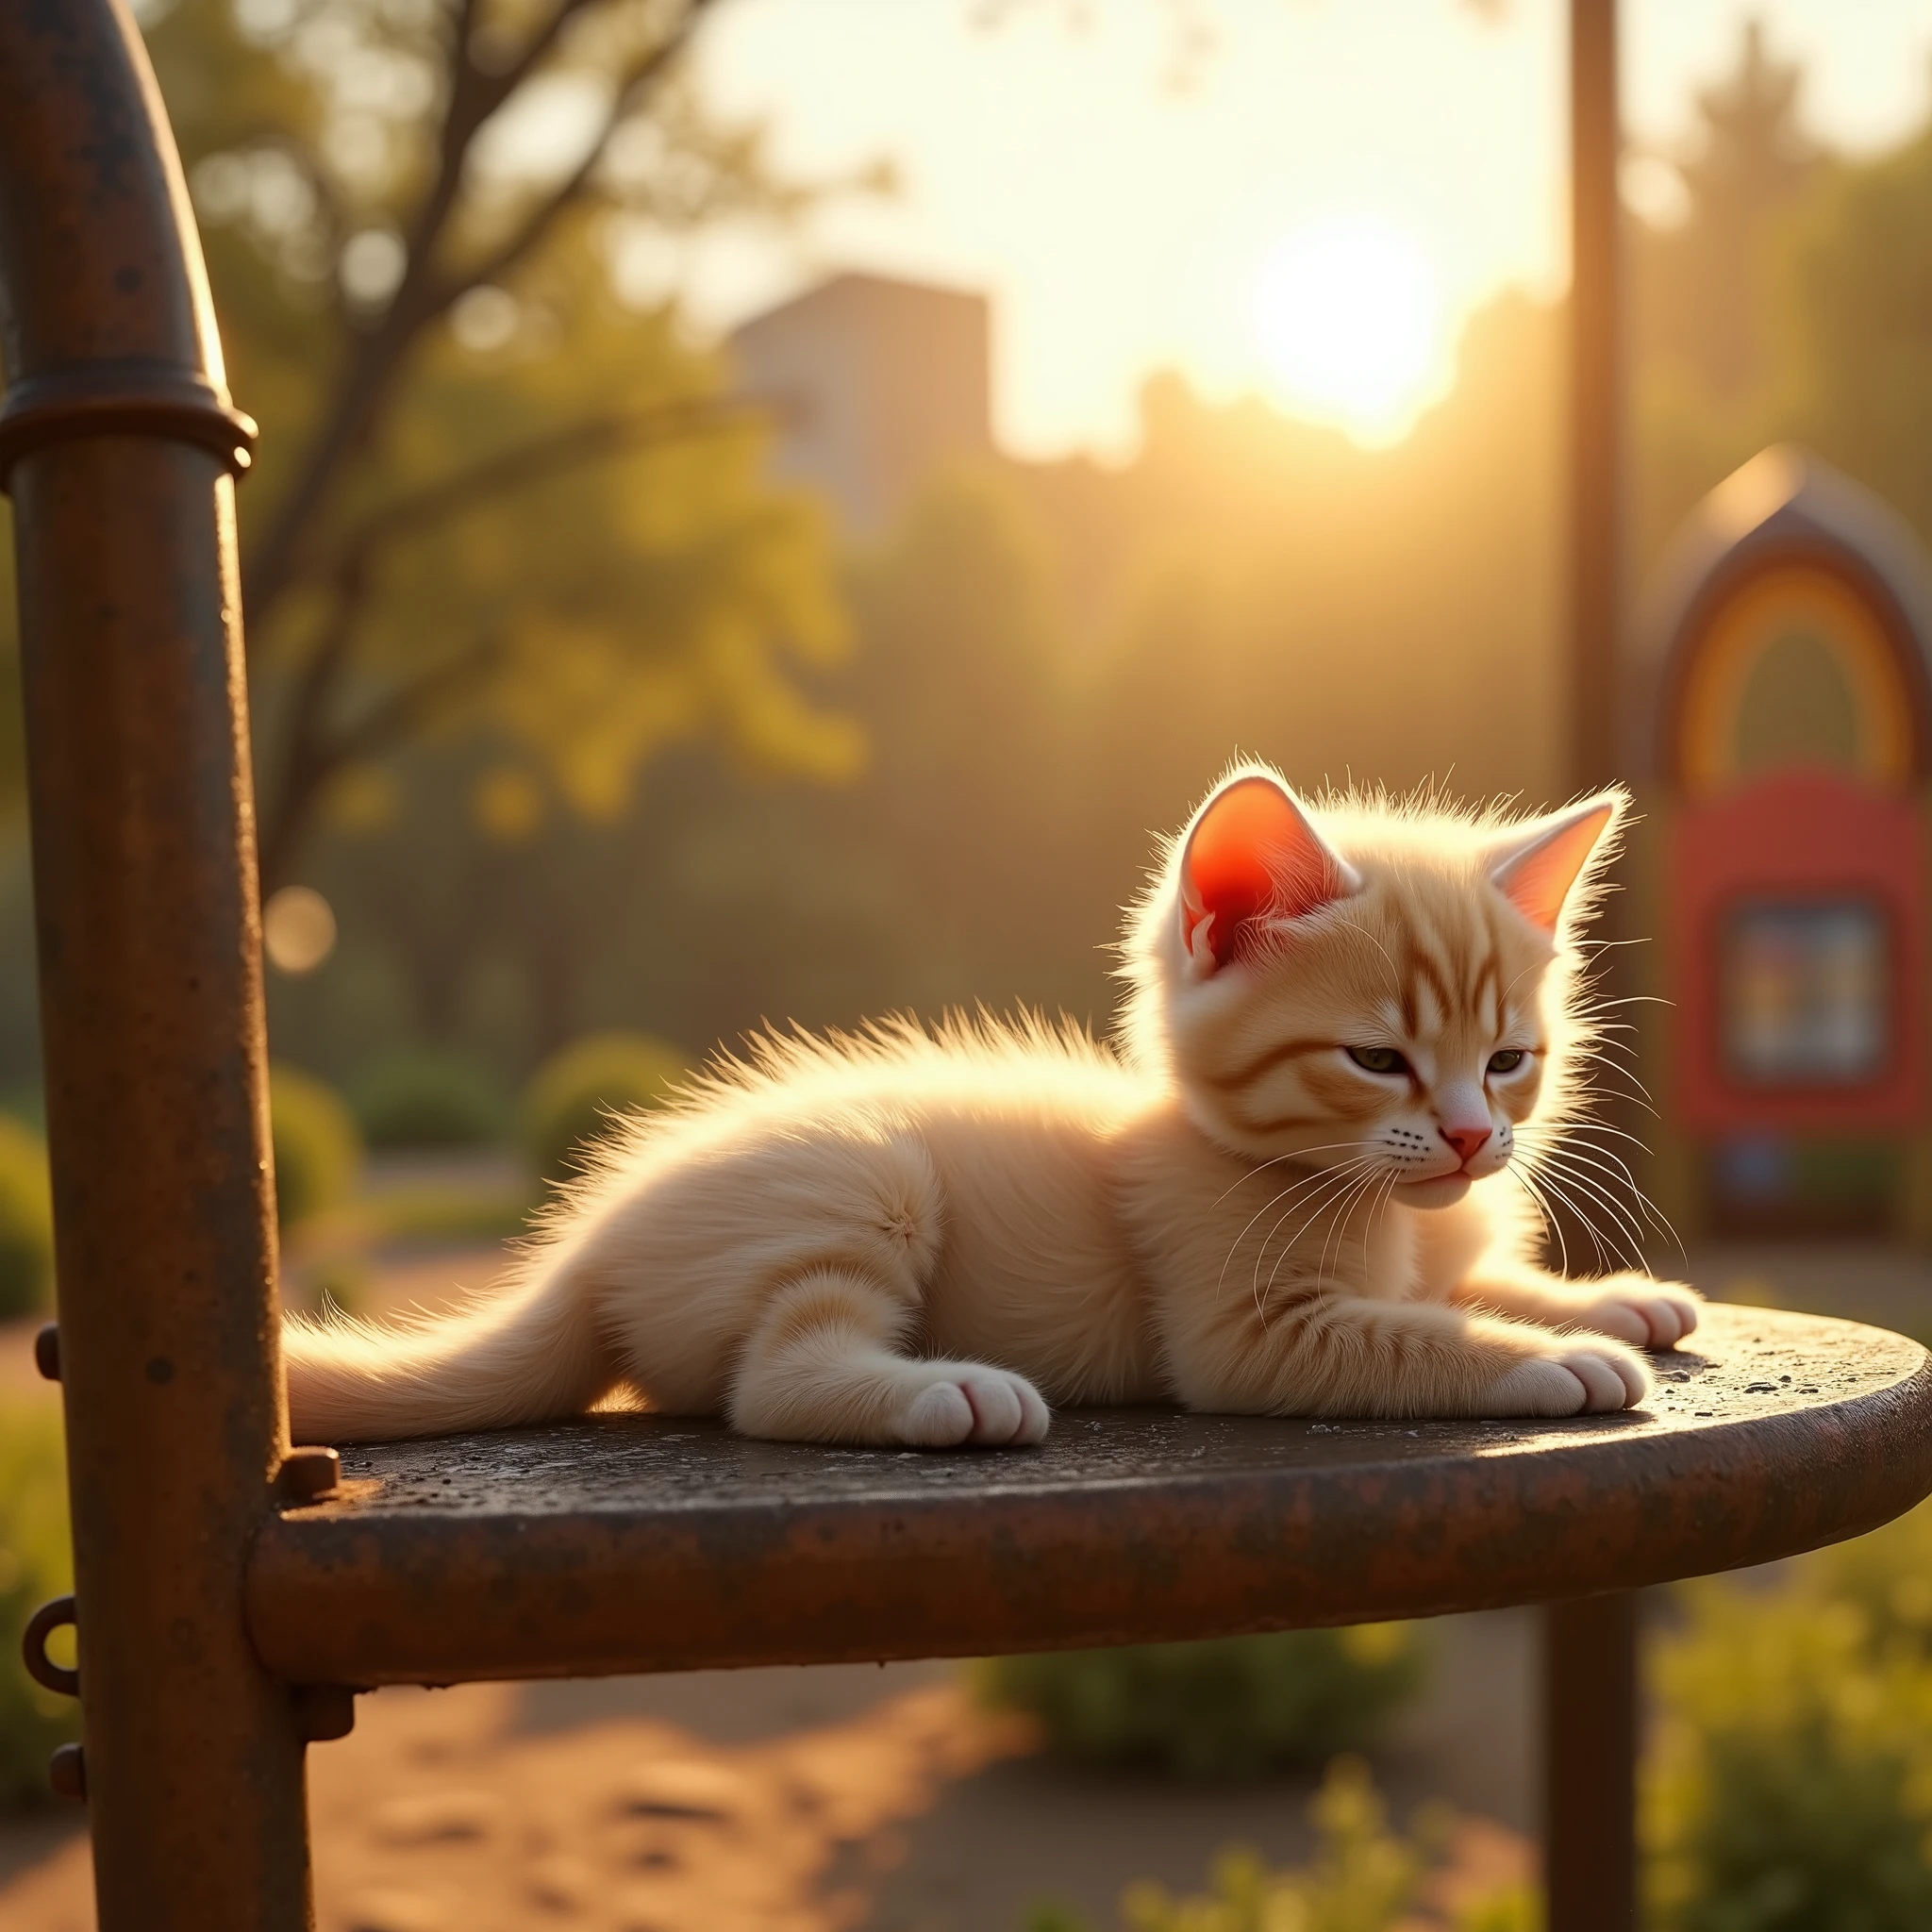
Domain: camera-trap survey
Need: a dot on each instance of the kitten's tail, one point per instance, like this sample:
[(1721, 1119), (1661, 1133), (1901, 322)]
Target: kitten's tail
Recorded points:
[(531, 1354)]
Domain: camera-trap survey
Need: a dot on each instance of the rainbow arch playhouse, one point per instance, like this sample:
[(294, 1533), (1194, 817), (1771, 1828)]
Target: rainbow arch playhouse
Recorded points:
[(1785, 701)]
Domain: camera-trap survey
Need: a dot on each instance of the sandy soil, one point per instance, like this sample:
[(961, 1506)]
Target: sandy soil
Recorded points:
[(894, 1805)]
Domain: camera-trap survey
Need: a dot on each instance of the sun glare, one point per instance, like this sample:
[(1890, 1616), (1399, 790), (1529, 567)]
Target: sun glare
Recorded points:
[(1348, 319)]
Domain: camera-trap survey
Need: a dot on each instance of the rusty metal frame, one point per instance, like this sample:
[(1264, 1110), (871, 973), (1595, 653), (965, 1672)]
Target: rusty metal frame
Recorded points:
[(1591, 1729), (120, 447)]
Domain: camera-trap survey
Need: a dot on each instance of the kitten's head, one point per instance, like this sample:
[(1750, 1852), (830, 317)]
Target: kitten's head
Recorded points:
[(1365, 982)]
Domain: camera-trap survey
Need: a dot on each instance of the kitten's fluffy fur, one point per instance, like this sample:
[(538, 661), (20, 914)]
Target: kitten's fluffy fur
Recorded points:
[(1281, 1193)]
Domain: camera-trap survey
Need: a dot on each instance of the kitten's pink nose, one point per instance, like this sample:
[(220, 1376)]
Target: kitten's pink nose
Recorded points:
[(1467, 1141)]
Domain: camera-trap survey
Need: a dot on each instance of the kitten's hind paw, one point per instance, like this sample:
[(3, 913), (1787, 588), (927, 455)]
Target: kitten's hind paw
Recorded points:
[(971, 1404), (1581, 1381), (1645, 1313)]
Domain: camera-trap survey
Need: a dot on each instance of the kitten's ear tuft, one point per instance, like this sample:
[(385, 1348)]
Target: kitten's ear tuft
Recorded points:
[(1537, 870), (1251, 854)]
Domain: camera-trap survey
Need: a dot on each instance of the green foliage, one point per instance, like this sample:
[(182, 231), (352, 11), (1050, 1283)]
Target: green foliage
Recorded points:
[(317, 1148), (26, 1221), (1364, 1877), (35, 1564), (573, 1094), (1790, 1785), (1794, 302), (1229, 1707), (443, 1217), (498, 485), (422, 1096)]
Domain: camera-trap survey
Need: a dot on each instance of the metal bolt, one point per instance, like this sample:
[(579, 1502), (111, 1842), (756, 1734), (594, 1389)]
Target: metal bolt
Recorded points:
[(306, 1475), (33, 1647), (67, 1772), (323, 1711), (47, 1351)]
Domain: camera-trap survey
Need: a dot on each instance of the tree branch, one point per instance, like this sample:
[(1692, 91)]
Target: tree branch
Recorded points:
[(538, 222), (545, 457), (423, 295), (312, 754)]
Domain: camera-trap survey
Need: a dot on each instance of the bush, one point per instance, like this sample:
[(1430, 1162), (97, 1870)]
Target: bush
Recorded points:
[(1364, 1878), (27, 1222), (1232, 1708), (34, 1565), (572, 1097), (1789, 1788), (422, 1096), (316, 1146)]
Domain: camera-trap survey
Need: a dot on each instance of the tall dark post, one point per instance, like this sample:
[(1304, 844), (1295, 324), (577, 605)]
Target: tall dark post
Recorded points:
[(1597, 396), (1590, 1692), (118, 446)]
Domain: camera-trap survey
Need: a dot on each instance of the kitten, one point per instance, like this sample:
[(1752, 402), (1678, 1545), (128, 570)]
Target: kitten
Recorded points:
[(1285, 1191)]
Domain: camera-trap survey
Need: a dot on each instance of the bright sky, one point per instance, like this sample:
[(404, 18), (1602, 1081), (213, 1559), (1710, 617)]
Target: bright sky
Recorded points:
[(1340, 182)]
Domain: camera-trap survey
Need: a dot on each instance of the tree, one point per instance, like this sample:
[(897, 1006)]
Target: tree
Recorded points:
[(490, 489), (1698, 285), (1852, 289)]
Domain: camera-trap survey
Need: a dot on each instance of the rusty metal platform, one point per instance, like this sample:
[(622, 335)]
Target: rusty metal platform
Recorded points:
[(631, 1543)]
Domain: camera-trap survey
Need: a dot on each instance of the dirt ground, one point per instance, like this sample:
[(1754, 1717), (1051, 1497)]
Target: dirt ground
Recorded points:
[(787, 1801), (846, 1799)]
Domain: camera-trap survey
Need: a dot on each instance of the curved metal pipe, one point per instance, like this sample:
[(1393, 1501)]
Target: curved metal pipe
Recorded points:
[(119, 442)]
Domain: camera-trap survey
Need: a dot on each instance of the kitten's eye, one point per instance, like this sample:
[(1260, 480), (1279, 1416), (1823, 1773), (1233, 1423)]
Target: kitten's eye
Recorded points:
[(1507, 1061), (1378, 1060)]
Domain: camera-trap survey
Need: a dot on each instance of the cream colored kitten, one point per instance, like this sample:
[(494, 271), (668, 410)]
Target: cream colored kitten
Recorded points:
[(1284, 1193)]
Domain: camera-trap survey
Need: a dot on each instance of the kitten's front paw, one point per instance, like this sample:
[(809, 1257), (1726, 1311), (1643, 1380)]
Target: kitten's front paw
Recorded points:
[(1580, 1381), (1645, 1313), (971, 1404)]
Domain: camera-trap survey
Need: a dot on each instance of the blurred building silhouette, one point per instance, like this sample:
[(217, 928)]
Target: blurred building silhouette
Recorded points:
[(877, 383)]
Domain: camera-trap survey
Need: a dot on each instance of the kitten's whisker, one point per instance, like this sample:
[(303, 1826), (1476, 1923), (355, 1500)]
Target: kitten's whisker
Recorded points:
[(1345, 1181), (1607, 1163), (1335, 1234), (1284, 1195), (1629, 1228), (1288, 1193), (1339, 1179), (1550, 1220), (1566, 1185), (1380, 1202), (1298, 1153), (1337, 1213)]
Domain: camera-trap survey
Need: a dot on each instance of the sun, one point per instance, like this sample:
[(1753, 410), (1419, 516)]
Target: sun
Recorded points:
[(1348, 320)]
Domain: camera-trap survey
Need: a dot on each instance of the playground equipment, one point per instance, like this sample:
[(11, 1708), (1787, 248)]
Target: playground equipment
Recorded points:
[(1786, 669), (235, 1593)]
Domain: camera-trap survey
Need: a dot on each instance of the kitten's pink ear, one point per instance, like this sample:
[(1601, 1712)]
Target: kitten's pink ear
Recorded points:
[(1537, 870), (1251, 854)]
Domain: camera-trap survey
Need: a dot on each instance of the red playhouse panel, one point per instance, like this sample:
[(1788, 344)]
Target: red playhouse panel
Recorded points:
[(1798, 910)]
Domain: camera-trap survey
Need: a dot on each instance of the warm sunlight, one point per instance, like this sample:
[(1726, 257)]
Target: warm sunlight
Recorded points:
[(1350, 321)]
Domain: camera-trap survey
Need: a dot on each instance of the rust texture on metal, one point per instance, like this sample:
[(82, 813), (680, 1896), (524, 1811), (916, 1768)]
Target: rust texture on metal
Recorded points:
[(141, 821), (54, 1615), (323, 1712), (1590, 1650), (642, 1542), (1597, 397), (129, 399), (308, 1475), (67, 1772), (1589, 1709)]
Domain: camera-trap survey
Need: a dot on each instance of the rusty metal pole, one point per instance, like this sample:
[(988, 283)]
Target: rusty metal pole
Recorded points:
[(1596, 396), (1590, 1738), (119, 449), (1591, 1730)]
